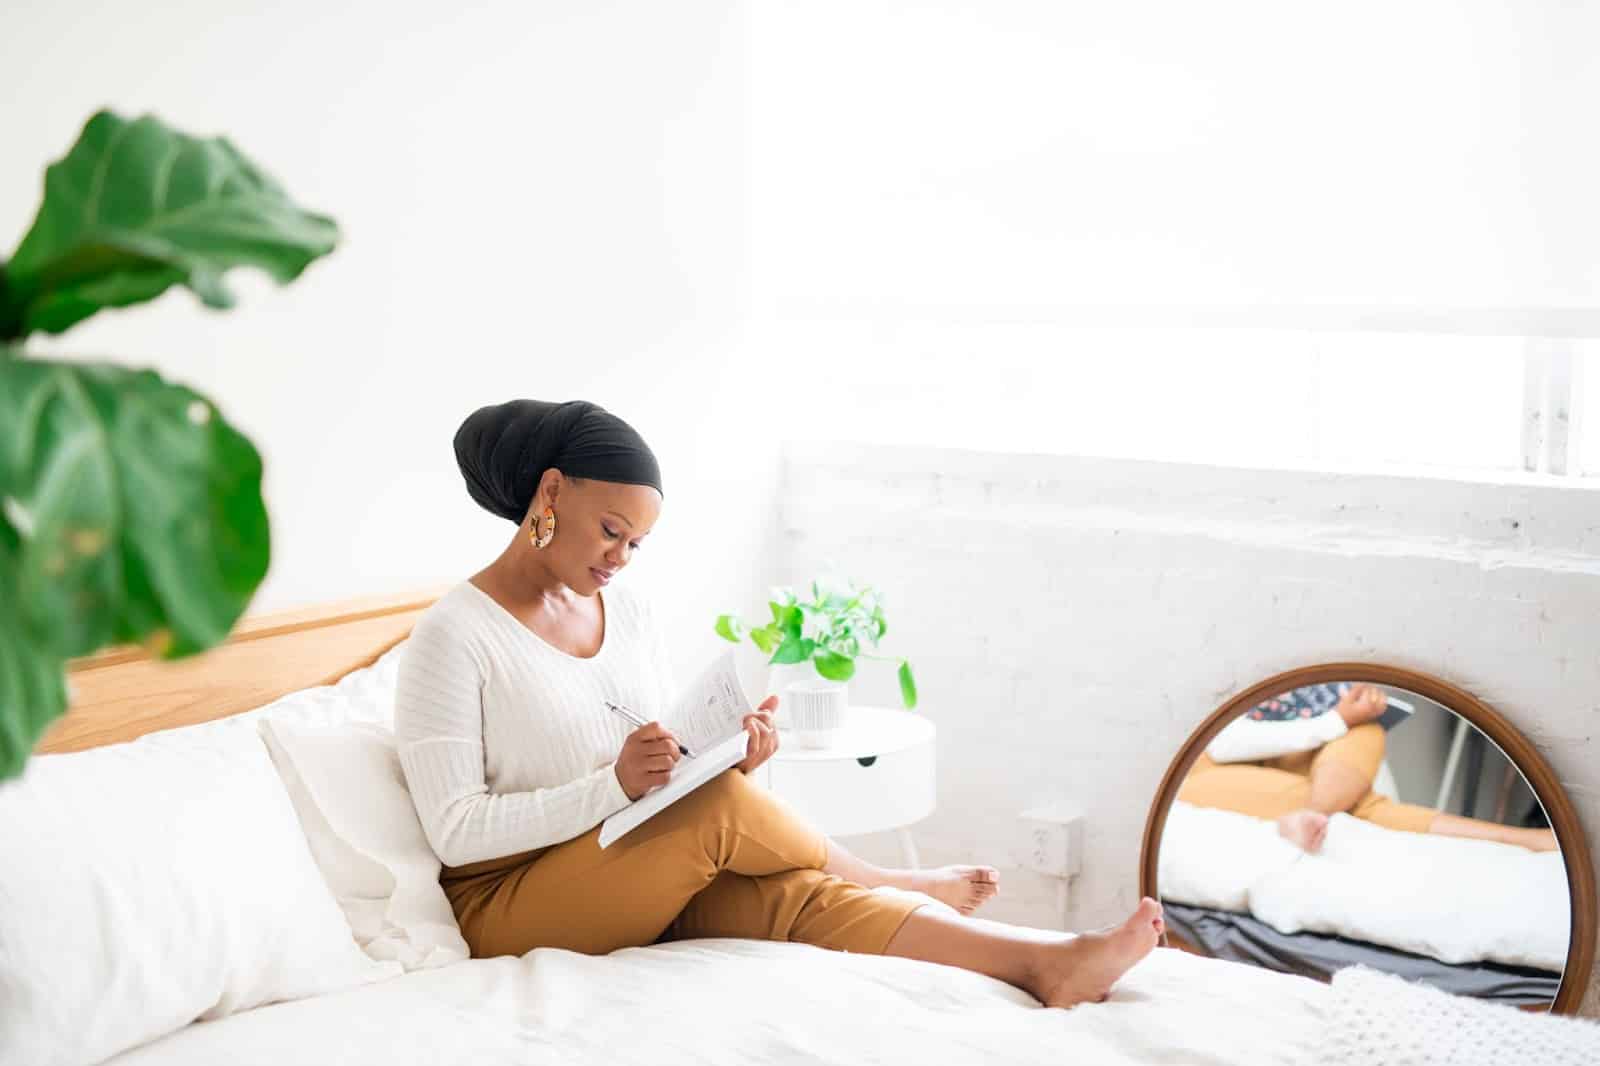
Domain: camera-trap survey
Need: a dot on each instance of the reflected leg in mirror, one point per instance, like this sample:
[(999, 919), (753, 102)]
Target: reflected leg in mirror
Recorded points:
[(1351, 762), (1343, 770), (1301, 790), (1453, 825)]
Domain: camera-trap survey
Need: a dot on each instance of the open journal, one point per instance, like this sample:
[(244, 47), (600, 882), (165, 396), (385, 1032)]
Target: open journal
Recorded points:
[(708, 719)]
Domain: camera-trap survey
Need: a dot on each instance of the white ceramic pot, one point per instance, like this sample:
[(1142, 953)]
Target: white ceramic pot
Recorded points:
[(779, 678), (816, 710)]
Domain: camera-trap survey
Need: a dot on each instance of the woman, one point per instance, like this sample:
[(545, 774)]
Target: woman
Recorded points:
[(513, 759), (1305, 755)]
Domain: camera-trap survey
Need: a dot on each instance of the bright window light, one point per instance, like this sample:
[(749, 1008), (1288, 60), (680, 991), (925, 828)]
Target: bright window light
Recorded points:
[(1586, 394), (1231, 396)]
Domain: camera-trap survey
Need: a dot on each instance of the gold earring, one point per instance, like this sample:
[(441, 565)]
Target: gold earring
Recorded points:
[(541, 539)]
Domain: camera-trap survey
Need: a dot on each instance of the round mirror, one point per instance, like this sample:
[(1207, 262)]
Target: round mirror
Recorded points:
[(1355, 814)]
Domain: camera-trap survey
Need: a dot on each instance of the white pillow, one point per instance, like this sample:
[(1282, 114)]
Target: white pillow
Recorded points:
[(148, 884), (348, 788), (364, 695)]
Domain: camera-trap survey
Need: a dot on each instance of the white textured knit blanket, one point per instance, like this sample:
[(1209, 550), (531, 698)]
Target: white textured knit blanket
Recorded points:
[(1377, 1019)]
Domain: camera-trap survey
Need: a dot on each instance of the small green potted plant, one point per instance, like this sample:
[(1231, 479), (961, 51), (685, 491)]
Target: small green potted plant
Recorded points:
[(828, 630)]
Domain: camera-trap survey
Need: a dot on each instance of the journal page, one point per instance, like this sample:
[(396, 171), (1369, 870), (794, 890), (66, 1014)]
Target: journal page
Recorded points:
[(711, 708)]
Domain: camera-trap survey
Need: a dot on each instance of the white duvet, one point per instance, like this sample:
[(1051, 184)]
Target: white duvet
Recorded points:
[(748, 1002), (1454, 899)]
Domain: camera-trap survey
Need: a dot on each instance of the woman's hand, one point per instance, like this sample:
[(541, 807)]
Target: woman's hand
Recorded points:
[(647, 759), (763, 735)]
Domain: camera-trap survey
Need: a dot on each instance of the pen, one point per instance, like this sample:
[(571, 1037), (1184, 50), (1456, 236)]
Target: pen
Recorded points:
[(630, 716)]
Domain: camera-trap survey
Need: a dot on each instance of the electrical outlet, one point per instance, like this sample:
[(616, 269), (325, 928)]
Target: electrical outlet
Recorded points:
[(1052, 842)]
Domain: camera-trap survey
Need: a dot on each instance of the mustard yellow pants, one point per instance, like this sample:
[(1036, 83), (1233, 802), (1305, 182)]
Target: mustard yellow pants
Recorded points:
[(1274, 787), (728, 860)]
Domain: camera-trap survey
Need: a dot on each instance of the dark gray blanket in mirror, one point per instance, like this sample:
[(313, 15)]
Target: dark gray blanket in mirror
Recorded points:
[(1241, 938)]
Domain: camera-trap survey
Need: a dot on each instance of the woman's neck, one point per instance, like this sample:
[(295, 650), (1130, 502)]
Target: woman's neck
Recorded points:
[(519, 580)]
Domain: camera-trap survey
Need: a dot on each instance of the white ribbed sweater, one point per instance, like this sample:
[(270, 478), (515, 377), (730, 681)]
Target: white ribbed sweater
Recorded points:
[(504, 740)]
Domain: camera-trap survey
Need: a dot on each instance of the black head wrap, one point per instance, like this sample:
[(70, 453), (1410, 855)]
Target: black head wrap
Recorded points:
[(504, 449)]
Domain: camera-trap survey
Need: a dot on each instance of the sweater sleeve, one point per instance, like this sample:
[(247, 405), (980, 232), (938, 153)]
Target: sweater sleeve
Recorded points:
[(438, 719), (1248, 739)]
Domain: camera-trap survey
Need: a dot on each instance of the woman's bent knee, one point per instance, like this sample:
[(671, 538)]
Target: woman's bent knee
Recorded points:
[(728, 789), (715, 803)]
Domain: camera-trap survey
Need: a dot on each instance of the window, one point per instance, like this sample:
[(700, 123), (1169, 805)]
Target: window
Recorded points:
[(1342, 399)]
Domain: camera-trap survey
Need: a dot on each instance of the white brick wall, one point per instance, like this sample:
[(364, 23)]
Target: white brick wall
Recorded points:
[(1071, 621)]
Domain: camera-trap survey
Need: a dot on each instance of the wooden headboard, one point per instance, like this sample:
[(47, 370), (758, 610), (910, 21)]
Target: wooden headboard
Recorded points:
[(121, 693)]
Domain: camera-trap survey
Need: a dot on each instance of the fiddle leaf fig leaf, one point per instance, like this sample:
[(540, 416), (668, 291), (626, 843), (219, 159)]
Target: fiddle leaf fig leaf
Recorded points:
[(10, 314), (137, 207), (143, 506), (32, 679)]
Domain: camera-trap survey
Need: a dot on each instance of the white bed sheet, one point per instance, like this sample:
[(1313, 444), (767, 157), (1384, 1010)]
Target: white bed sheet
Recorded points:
[(750, 1002)]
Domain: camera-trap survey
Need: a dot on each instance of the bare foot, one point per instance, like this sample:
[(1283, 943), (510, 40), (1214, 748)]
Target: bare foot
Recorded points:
[(1305, 827), (1084, 968), (966, 888), (1361, 704)]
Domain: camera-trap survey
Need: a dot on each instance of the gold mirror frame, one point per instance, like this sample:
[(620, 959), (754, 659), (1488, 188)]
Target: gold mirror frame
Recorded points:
[(1563, 819)]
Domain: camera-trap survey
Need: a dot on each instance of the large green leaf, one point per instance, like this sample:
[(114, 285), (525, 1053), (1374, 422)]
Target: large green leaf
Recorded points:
[(32, 683), (133, 513), (136, 207), (10, 314)]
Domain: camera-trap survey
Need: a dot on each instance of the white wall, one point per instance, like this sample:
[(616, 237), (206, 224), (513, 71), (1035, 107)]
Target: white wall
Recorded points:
[(1044, 159), (536, 200), (1240, 231), (1072, 620)]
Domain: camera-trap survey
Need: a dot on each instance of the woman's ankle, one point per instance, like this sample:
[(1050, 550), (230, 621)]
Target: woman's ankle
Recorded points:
[(885, 875)]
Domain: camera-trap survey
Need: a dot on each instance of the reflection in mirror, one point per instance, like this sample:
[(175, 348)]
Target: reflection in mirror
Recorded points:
[(1347, 822)]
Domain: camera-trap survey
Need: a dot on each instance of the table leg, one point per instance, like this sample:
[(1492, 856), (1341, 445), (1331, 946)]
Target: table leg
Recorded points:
[(908, 848)]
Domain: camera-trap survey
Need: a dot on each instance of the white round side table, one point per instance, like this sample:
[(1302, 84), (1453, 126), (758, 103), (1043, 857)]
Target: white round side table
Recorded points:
[(877, 775)]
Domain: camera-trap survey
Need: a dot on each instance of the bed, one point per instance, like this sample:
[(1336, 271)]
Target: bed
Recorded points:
[(746, 1002), (700, 1001)]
